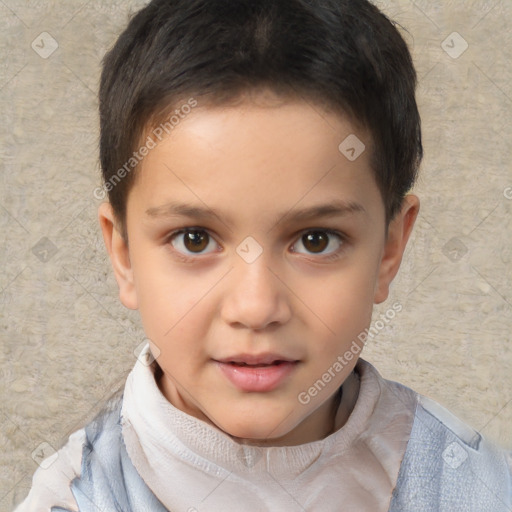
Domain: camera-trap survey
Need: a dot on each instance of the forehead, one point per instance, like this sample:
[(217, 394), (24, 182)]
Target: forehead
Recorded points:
[(256, 156)]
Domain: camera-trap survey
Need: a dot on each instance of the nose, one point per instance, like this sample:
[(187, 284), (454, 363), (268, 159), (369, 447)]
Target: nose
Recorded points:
[(255, 297)]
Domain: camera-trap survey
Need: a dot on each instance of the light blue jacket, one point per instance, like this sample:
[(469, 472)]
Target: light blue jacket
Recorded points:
[(447, 467)]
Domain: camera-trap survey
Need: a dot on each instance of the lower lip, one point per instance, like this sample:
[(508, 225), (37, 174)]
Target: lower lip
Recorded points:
[(257, 379)]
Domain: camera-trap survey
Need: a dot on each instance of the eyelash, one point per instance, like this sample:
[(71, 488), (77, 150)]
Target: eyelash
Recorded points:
[(332, 233)]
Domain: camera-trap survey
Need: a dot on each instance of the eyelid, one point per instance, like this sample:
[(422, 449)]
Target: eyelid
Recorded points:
[(177, 232), (343, 238), (330, 231)]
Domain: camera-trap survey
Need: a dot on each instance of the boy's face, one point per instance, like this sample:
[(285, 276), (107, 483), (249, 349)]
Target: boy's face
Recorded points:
[(261, 275)]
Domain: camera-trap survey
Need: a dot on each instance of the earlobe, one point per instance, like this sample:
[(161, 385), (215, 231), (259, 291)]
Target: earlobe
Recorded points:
[(400, 229), (119, 256)]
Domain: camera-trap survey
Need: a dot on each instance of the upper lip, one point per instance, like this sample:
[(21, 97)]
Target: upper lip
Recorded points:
[(266, 358)]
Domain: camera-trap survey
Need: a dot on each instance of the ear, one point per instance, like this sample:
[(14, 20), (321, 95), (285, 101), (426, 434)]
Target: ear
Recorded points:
[(399, 231), (119, 255)]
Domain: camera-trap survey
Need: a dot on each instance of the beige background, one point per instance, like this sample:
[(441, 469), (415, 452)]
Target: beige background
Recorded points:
[(67, 342)]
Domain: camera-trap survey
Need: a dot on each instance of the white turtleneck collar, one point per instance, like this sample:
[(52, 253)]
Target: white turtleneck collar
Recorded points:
[(191, 465)]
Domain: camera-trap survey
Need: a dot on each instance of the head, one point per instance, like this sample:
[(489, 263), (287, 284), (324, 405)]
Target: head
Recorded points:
[(257, 158)]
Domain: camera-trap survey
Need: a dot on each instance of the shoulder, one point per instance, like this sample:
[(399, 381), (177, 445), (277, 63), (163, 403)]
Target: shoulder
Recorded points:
[(448, 465), (54, 481), (92, 472), (51, 483)]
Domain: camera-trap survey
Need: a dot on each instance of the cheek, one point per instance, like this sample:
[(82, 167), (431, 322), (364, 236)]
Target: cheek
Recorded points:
[(166, 292), (166, 302), (341, 310), (344, 299), (176, 315)]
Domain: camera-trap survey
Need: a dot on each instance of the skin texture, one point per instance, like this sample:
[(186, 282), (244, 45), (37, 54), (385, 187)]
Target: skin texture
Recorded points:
[(256, 164)]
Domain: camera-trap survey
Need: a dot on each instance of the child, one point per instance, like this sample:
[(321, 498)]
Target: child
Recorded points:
[(257, 158)]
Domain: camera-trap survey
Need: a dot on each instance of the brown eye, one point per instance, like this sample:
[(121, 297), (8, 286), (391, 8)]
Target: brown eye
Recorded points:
[(195, 241), (192, 241), (316, 241), (320, 241)]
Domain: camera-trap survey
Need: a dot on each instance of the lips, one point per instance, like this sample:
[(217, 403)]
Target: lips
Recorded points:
[(259, 365), (256, 373), (255, 359)]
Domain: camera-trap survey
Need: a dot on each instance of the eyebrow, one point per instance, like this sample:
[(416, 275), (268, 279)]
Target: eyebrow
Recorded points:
[(335, 208)]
